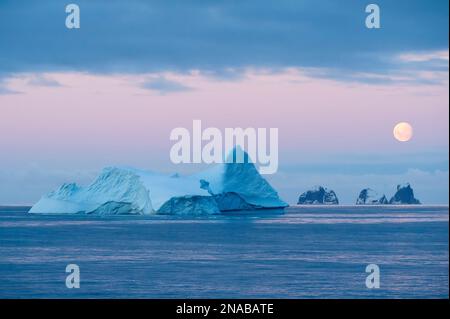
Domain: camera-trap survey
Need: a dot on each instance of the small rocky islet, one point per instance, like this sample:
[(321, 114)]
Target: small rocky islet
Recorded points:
[(320, 195)]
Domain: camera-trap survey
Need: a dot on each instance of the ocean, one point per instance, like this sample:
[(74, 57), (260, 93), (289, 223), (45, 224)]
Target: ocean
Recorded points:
[(304, 252)]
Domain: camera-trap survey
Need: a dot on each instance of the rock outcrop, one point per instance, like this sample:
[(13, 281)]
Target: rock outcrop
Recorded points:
[(318, 196), (370, 197), (404, 196)]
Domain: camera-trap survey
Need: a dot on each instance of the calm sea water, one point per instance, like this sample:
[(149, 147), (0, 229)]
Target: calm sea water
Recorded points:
[(307, 252)]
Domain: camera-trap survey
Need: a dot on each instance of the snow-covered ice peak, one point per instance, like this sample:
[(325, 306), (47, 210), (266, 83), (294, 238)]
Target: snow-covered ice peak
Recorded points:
[(227, 186)]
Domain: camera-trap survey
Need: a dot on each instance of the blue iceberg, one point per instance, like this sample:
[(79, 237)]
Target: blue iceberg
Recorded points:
[(122, 190)]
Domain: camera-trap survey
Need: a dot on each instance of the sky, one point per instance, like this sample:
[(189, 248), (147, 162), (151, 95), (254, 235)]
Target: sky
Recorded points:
[(109, 93)]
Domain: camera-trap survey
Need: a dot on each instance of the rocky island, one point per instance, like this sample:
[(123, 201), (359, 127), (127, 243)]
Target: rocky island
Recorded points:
[(370, 197), (318, 196), (404, 196)]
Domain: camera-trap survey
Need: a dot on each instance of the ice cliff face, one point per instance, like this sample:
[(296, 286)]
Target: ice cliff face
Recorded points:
[(318, 196), (370, 197), (238, 186), (404, 196), (224, 187), (190, 205), (115, 191)]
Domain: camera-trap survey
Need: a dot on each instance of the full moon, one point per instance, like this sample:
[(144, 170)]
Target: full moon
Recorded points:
[(403, 131)]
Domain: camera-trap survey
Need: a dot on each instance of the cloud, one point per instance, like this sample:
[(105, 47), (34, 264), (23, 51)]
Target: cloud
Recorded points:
[(4, 89), (26, 185), (427, 67), (430, 187), (142, 36), (348, 174), (36, 79), (425, 56), (43, 80), (164, 85)]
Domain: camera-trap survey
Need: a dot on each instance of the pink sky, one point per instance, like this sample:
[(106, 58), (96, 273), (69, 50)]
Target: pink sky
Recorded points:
[(87, 113), (91, 121)]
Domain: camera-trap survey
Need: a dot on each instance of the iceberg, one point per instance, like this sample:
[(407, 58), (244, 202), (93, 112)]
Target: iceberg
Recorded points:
[(318, 196), (123, 190), (370, 197), (115, 191), (239, 186)]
